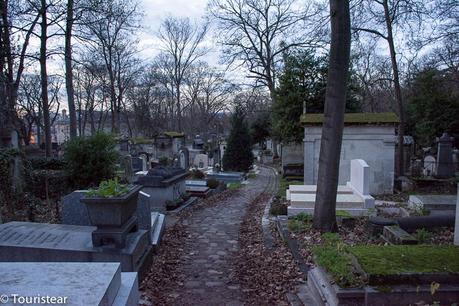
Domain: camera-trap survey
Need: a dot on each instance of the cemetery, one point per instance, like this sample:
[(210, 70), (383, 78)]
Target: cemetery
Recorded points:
[(229, 152)]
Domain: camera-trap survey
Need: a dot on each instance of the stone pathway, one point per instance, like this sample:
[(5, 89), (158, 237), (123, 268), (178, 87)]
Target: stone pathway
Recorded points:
[(212, 240)]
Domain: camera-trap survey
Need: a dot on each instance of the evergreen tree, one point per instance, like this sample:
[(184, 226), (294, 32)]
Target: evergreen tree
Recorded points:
[(260, 129), (303, 80), (433, 106), (238, 154)]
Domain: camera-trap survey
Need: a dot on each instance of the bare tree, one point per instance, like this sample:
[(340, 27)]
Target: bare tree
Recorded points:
[(181, 47), (332, 128), (255, 34), (16, 18), (108, 26), (380, 19)]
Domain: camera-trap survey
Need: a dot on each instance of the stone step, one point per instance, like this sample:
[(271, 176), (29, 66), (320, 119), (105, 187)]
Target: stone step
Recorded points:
[(396, 235), (342, 201), (128, 294), (356, 212), (342, 189)]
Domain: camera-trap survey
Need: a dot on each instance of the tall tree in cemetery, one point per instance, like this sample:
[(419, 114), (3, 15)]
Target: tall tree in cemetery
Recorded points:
[(69, 68), (238, 154), (255, 34), (380, 19), (181, 47), (332, 128), (15, 14)]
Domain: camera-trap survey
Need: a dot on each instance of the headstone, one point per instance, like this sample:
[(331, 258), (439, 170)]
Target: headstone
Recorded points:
[(137, 164), (360, 176), (73, 211), (201, 161), (127, 165), (456, 224), (429, 165), (184, 158), (67, 284), (445, 167)]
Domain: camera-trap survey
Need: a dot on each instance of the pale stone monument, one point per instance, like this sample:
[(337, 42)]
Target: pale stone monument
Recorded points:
[(429, 165), (367, 136)]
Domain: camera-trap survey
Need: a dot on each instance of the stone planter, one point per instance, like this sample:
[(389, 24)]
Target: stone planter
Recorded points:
[(112, 212)]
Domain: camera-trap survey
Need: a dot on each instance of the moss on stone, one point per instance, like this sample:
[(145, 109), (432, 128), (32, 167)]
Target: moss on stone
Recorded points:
[(354, 118), (395, 259)]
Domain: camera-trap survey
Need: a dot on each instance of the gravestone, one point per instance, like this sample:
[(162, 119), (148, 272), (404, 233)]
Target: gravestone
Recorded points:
[(127, 166), (163, 184), (445, 167), (429, 165), (360, 172), (137, 164), (201, 161), (456, 224), (73, 211), (67, 284), (184, 158)]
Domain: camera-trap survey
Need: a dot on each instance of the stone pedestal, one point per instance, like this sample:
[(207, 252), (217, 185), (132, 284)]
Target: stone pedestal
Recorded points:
[(445, 167)]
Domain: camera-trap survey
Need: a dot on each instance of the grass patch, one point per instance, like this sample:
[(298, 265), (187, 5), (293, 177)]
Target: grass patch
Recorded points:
[(395, 259), (343, 214), (234, 185), (299, 222), (283, 185)]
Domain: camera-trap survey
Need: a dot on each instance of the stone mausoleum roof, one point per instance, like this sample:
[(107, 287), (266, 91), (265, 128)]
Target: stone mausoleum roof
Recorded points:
[(355, 119)]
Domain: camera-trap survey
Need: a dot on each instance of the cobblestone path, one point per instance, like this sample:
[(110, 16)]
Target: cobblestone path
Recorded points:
[(212, 239)]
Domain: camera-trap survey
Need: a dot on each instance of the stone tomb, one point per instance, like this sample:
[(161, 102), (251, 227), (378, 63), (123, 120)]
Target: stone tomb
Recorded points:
[(197, 188), (226, 176), (41, 242), (163, 184), (353, 197), (74, 212), (435, 204), (75, 284)]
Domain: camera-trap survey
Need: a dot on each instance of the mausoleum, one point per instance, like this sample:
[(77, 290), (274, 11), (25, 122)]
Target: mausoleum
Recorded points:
[(367, 136)]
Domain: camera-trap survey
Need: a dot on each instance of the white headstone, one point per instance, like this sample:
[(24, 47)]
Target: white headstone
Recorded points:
[(429, 165), (360, 176), (201, 161), (456, 225)]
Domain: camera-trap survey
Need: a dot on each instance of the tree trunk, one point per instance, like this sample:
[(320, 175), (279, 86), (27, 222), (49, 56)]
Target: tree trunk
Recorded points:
[(332, 130), (69, 71), (398, 91), (44, 79)]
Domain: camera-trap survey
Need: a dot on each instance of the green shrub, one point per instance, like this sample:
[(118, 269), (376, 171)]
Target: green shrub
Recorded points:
[(163, 161), (197, 174), (212, 183), (108, 189), (423, 235), (90, 160), (47, 163)]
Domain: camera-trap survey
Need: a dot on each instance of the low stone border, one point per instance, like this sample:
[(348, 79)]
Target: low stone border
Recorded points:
[(282, 228), (400, 294)]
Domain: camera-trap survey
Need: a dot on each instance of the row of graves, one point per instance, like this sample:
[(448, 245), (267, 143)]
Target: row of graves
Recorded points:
[(104, 245), (390, 249)]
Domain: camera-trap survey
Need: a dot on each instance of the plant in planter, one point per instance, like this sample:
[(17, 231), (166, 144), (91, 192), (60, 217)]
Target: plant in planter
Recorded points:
[(112, 204)]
